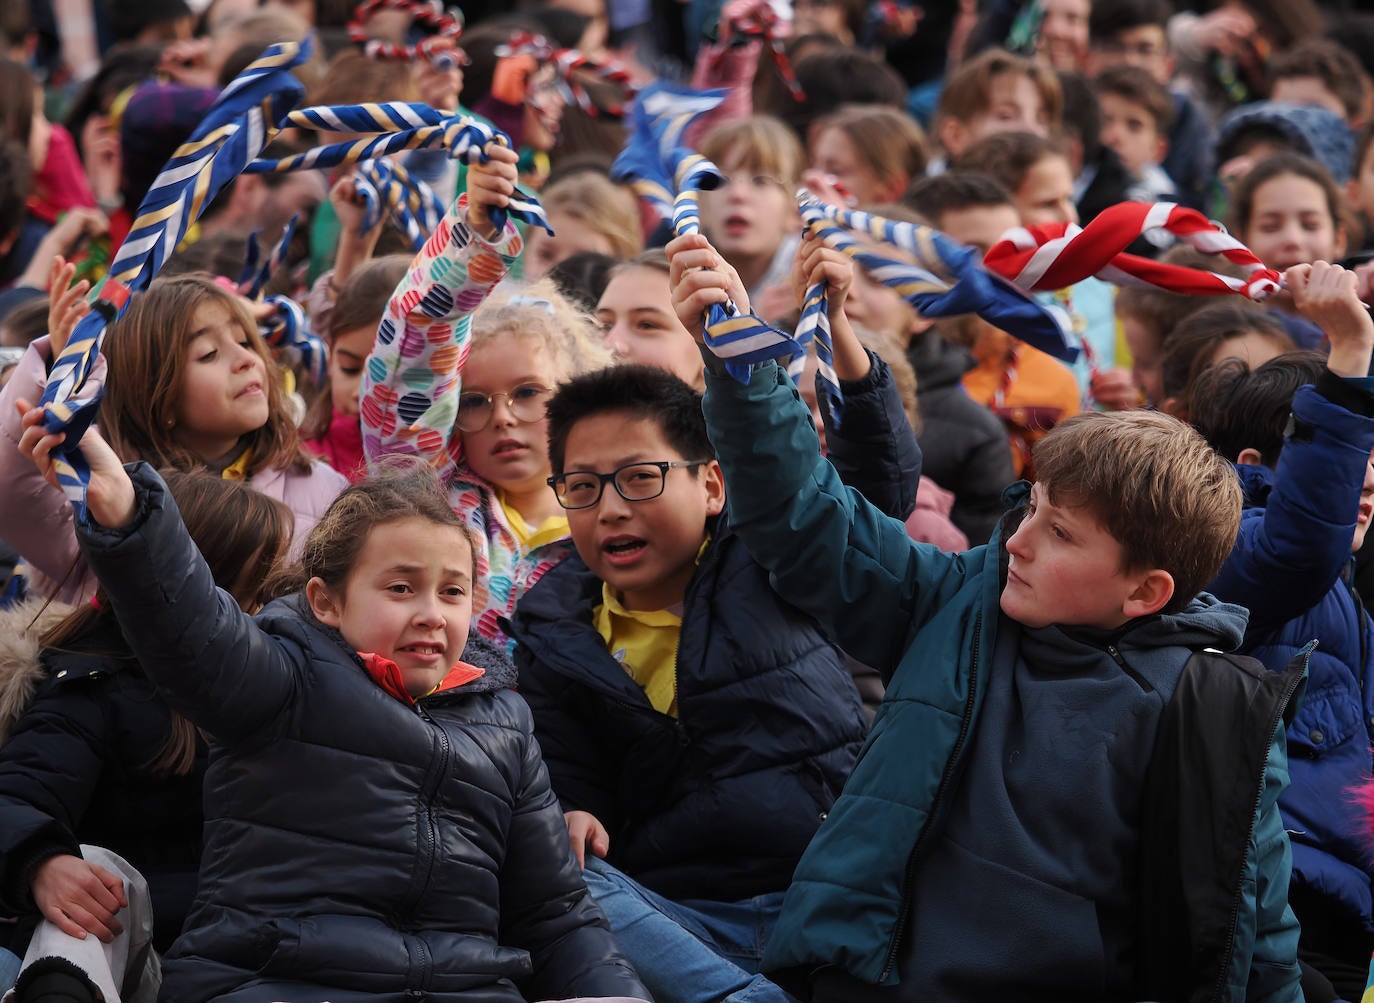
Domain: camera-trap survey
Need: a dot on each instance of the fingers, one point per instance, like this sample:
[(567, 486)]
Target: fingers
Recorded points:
[(112, 885)]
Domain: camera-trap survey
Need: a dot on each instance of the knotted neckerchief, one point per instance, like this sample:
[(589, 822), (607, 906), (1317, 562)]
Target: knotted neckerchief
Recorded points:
[(656, 123), (1056, 255), (242, 121), (287, 327), (445, 26), (388, 188), (567, 63), (972, 290), (396, 126)]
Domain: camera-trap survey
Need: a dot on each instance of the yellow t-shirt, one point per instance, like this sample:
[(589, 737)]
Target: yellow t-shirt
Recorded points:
[(555, 527), (644, 642)]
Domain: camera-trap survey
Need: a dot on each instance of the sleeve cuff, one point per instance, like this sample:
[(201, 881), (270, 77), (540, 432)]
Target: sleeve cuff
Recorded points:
[(1355, 395), (870, 381)]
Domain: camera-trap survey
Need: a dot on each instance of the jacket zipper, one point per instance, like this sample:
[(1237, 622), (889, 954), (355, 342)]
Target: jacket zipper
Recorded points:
[(1120, 660), (1229, 945), (946, 777), (430, 840)]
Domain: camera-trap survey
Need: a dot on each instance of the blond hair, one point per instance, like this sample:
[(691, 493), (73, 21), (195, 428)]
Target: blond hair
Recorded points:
[(601, 206), (1154, 484), (565, 334), (758, 143)]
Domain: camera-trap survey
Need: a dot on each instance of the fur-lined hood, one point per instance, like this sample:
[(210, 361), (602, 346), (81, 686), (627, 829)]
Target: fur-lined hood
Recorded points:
[(20, 669)]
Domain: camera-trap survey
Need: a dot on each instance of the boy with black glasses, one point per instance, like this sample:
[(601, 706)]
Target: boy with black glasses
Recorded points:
[(696, 728)]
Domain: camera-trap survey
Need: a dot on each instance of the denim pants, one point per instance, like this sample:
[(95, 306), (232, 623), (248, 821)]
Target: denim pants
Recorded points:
[(693, 951)]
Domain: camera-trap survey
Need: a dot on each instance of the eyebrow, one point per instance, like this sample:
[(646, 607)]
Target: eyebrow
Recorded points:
[(351, 355)]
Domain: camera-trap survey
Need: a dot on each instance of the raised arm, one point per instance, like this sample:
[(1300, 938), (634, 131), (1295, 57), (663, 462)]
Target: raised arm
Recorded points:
[(412, 379), (828, 551)]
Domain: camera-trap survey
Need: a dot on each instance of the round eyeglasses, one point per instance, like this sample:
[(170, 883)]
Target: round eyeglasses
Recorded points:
[(578, 489), (526, 402)]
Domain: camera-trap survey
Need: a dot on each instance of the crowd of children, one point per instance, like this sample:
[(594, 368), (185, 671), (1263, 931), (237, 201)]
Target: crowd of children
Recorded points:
[(491, 639)]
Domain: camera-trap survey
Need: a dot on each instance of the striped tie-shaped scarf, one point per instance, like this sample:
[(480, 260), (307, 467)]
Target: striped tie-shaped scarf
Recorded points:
[(396, 126), (970, 288), (241, 122), (257, 271), (1057, 255), (659, 117), (388, 188)]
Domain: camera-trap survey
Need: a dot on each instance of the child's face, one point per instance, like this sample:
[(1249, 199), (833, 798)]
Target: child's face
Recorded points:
[(1360, 188), (346, 357), (571, 236), (834, 153), (1366, 506), (1046, 195), (636, 312), (1306, 90), (543, 118), (1014, 105), (222, 393), (1130, 132), (1145, 46), (509, 453), (1063, 38), (1064, 569), (645, 550), (748, 216), (1291, 224), (979, 226), (1147, 357), (408, 598)]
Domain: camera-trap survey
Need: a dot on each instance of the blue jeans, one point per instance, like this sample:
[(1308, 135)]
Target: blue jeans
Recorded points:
[(691, 951), (10, 963)]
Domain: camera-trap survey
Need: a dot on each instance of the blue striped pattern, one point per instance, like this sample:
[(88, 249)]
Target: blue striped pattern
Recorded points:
[(657, 119), (256, 272), (970, 289), (396, 126), (288, 329), (410, 203), (241, 122)]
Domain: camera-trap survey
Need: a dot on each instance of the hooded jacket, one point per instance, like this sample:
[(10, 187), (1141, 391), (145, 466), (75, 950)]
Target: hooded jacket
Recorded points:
[(357, 847), (931, 623)]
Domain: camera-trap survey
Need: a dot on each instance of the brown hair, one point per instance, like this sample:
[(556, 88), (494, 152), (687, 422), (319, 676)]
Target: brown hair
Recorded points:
[(402, 487), (757, 143), (601, 206), (352, 78), (1131, 83), (146, 353), (886, 346), (968, 90), (1190, 347), (1007, 157), (888, 141), (1151, 482), (242, 534), (16, 110), (361, 303), (1277, 166), (1330, 62), (1162, 311)]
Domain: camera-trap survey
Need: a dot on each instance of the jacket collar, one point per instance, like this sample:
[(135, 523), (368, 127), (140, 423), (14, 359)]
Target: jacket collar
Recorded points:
[(387, 674)]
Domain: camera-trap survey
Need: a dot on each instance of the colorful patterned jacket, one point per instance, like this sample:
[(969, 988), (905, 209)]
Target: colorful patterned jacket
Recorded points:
[(409, 400)]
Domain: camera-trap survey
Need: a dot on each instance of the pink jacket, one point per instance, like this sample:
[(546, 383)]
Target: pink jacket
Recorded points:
[(36, 520), (929, 522)]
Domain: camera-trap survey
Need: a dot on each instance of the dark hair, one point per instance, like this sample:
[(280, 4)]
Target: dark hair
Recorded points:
[(1362, 143), (1082, 117), (1007, 156), (1161, 310), (1280, 164), (16, 181), (1189, 348), (17, 86), (838, 77), (638, 393), (1331, 63), (955, 190), (1108, 18), (242, 534), (26, 323), (124, 66), (582, 277), (16, 24), (1235, 407), (402, 487), (1133, 84)]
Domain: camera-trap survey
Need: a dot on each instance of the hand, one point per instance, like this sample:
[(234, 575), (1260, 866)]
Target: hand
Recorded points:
[(79, 898), (1115, 390), (585, 831), (698, 276), (1225, 30), (490, 186), (438, 86), (66, 303), (349, 206), (64, 238), (827, 188), (186, 62), (110, 494), (816, 262), (1328, 295)]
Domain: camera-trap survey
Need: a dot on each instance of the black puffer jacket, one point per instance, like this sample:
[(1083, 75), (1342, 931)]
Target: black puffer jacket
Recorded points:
[(963, 444), (719, 802), (356, 848), (77, 768)]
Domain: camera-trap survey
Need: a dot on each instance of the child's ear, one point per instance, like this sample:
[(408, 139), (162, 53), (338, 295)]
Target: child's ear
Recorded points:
[(322, 602), (713, 480), (953, 137), (1152, 593), (1250, 457), (1338, 251), (1161, 148)]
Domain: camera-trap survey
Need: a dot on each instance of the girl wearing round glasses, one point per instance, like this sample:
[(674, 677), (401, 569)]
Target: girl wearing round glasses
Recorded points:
[(461, 378)]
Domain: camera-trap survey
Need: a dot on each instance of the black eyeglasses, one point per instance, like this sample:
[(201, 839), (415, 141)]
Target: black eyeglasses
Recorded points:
[(634, 482), (526, 402)]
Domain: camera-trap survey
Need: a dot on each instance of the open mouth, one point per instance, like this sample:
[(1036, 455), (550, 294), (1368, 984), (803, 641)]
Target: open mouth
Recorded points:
[(622, 549), (252, 390)]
